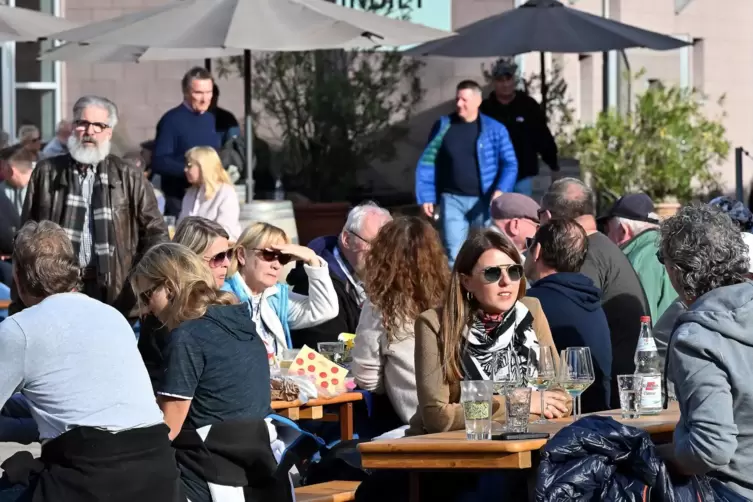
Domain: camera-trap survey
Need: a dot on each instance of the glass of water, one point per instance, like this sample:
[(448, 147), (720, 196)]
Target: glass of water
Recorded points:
[(476, 398), (334, 351), (630, 387), (518, 403)]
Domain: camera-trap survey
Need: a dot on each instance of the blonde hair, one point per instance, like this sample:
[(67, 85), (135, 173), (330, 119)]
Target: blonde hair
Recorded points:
[(197, 233), (257, 236), (212, 173), (189, 283)]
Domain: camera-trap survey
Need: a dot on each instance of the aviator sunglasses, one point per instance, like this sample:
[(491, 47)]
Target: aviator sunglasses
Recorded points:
[(270, 255), (494, 274), (218, 259)]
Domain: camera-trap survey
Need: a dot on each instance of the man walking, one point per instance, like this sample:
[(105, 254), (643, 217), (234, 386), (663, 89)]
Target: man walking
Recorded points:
[(180, 129), (103, 202), (468, 161), (526, 123)]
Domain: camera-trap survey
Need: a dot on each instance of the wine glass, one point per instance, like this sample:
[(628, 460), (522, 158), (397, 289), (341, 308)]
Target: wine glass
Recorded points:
[(576, 374), (506, 375), (542, 375)]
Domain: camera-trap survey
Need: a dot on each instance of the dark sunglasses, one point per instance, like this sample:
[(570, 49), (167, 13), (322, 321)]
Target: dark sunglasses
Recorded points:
[(270, 256), (218, 259), (494, 274), (530, 242), (84, 125), (660, 257), (146, 296)]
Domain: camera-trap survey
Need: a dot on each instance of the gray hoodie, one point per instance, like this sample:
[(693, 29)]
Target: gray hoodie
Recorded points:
[(711, 366)]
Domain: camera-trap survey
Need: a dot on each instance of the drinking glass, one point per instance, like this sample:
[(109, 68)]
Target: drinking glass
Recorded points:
[(518, 402), (333, 351), (476, 398), (576, 374), (630, 387), (542, 375), (170, 222), (506, 375)]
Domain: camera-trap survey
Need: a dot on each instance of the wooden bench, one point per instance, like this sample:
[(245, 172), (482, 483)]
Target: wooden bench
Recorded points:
[(332, 491)]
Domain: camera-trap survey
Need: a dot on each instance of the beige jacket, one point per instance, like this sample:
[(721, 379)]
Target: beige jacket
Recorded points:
[(439, 408)]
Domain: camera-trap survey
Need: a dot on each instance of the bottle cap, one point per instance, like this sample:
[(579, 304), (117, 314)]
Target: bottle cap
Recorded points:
[(645, 318)]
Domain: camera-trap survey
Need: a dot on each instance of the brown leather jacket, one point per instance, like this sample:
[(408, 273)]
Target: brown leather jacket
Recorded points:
[(137, 219)]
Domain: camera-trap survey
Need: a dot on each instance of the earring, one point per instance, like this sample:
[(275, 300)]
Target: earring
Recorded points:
[(469, 296)]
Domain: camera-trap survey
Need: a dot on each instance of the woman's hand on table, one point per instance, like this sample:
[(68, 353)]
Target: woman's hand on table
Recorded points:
[(555, 404), (298, 253)]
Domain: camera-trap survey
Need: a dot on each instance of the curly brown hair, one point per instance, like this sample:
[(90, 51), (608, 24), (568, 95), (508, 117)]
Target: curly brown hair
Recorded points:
[(406, 272)]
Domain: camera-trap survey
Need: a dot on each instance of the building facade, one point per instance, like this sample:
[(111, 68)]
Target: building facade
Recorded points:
[(719, 62)]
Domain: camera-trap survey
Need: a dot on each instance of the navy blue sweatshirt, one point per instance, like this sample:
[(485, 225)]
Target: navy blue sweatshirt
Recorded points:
[(179, 130), (572, 305)]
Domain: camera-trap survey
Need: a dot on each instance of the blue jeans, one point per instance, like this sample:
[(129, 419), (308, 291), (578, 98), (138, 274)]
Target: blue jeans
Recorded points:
[(457, 215), (524, 186)]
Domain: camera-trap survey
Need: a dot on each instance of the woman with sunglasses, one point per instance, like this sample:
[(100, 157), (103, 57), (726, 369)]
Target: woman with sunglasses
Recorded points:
[(262, 251), (209, 240), (485, 312), (212, 194), (214, 390)]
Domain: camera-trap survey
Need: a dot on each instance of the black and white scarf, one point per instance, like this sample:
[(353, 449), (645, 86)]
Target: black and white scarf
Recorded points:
[(510, 334), (74, 217)]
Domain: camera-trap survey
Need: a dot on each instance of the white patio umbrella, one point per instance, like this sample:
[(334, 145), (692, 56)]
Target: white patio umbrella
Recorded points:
[(263, 25), (24, 25), (87, 53)]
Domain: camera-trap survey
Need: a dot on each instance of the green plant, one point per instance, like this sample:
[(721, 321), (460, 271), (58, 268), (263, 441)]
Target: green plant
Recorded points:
[(336, 113), (666, 147)]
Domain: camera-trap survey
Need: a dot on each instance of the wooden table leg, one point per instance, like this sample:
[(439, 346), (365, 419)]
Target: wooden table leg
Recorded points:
[(346, 421), (415, 481)]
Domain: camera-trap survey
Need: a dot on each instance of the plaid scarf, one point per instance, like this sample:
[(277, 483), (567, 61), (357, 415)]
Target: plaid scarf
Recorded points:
[(75, 212)]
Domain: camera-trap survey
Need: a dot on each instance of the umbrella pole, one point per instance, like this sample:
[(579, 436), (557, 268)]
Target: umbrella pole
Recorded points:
[(208, 64), (544, 90), (248, 125)]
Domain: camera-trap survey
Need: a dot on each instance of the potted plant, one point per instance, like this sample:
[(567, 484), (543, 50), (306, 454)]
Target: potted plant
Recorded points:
[(667, 147)]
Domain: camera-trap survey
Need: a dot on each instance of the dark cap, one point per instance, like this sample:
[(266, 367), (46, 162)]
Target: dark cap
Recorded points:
[(634, 206), (504, 68), (514, 205)]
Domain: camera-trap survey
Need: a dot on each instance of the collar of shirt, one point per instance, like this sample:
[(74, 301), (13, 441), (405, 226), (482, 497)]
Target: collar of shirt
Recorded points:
[(348, 271)]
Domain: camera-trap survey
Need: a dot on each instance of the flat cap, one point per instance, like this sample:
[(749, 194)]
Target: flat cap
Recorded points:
[(515, 205)]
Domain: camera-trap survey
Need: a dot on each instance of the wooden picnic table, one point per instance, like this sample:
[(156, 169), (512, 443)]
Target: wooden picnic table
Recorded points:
[(314, 410), (451, 450)]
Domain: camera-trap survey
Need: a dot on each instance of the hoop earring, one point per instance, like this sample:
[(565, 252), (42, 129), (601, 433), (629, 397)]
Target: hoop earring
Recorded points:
[(469, 296)]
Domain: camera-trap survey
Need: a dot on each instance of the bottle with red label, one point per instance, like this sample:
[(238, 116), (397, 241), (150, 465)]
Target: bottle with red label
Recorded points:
[(648, 365)]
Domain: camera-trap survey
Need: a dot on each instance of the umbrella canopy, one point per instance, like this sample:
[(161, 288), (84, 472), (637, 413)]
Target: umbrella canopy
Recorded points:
[(265, 25), (129, 54), (544, 26), (23, 25)]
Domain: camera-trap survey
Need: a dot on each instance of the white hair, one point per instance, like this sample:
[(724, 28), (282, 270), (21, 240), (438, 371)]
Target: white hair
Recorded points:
[(639, 226), (98, 102), (88, 155), (358, 214)]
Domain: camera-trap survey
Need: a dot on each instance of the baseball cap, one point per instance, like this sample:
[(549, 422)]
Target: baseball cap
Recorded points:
[(736, 210), (504, 68), (515, 205), (634, 206)]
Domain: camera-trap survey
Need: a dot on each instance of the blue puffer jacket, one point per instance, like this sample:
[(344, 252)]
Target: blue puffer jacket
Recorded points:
[(498, 166), (598, 458)]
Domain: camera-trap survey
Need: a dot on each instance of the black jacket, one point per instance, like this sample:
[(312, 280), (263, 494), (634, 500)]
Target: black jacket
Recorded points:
[(10, 222), (528, 131), (89, 465), (598, 458), (347, 298)]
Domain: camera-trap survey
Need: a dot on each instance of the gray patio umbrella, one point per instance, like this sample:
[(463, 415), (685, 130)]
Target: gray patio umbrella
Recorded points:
[(263, 25), (544, 26), (24, 25), (87, 53)]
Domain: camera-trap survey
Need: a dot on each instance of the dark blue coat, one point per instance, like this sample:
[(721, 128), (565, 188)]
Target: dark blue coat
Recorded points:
[(572, 305), (600, 459)]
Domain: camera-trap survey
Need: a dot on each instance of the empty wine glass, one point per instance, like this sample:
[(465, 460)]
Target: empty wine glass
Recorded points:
[(576, 374), (542, 375)]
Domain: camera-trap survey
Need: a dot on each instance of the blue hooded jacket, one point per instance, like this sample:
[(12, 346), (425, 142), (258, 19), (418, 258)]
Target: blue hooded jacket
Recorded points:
[(497, 163), (572, 305)]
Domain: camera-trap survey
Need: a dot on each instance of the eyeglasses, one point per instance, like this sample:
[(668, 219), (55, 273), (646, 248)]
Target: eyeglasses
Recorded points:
[(530, 242), (146, 296), (494, 274), (364, 240), (660, 257), (270, 256), (83, 125), (218, 259)]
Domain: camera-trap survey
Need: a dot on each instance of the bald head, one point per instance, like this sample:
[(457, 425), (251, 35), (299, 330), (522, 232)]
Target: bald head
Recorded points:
[(569, 198)]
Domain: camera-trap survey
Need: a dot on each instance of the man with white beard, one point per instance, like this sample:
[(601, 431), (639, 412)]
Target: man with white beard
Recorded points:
[(103, 202)]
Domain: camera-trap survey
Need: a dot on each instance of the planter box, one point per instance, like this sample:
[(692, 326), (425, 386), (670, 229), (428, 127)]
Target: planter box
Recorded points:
[(315, 219)]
